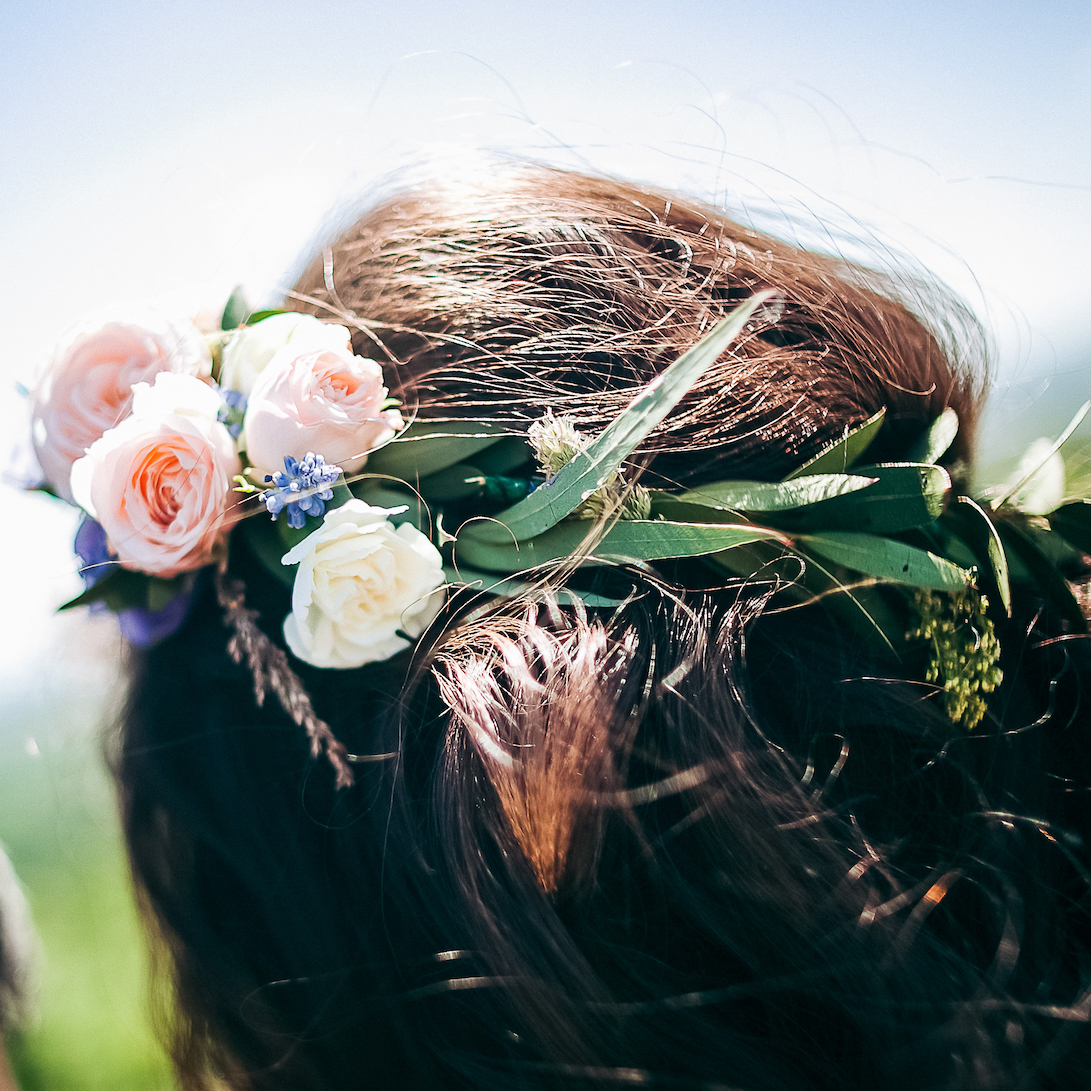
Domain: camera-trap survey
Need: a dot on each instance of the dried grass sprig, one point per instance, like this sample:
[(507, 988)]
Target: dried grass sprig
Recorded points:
[(270, 670)]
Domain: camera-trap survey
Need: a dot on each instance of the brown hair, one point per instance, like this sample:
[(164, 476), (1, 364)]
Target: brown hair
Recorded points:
[(693, 841)]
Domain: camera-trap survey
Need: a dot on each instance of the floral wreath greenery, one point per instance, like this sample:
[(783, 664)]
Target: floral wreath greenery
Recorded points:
[(368, 557)]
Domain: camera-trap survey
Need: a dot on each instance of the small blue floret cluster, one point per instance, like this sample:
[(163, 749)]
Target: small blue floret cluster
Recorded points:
[(303, 488)]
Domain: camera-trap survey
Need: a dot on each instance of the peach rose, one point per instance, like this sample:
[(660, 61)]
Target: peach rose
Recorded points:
[(159, 483), (87, 387), (248, 352), (323, 400)]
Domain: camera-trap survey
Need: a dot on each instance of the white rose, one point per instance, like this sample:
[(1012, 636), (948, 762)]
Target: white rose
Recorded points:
[(360, 581), (251, 348)]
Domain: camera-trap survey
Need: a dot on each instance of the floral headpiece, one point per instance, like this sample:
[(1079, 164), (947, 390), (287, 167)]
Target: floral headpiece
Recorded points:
[(168, 440)]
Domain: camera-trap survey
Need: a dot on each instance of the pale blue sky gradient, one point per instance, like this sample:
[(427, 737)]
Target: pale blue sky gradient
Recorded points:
[(166, 155)]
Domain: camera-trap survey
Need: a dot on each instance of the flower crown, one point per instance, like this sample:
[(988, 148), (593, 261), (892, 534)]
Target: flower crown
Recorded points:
[(168, 440)]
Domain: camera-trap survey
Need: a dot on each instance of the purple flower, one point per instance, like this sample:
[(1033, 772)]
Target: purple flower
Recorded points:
[(139, 625), (303, 488)]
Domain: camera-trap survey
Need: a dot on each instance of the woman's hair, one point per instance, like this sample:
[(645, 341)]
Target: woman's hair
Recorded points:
[(708, 838)]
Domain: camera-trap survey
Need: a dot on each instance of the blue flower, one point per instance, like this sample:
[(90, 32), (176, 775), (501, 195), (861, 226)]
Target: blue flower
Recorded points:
[(232, 411), (303, 488)]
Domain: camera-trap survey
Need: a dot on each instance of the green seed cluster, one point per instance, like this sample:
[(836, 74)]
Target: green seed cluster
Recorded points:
[(965, 651), (555, 442)]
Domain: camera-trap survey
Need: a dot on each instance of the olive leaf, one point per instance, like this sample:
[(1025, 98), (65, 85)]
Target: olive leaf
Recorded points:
[(426, 447), (630, 539), (589, 470), (973, 525), (886, 559), (763, 496)]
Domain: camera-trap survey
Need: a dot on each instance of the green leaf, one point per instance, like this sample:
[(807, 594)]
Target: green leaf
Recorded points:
[(263, 538), (761, 496), (886, 559), (806, 581), (490, 584), (1072, 522), (380, 493), (455, 483), (903, 496), (936, 439), (631, 539), (120, 589), (589, 470), (1051, 583), (255, 317), (427, 447), (839, 456), (973, 525), (236, 310), (503, 457), (161, 593)]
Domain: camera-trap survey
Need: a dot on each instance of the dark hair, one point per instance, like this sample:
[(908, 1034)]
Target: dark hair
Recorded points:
[(703, 840)]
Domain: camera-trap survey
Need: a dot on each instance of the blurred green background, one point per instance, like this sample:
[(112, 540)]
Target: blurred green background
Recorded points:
[(58, 822)]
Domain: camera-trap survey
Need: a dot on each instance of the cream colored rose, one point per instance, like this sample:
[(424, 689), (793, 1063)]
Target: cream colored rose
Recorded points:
[(323, 400), (160, 482), (360, 581), (250, 349), (87, 387)]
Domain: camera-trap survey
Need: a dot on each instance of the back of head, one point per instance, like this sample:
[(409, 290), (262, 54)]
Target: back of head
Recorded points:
[(677, 828)]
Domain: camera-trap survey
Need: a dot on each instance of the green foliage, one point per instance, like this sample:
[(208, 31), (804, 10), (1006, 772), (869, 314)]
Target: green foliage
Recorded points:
[(887, 559), (936, 439), (236, 310), (839, 456), (965, 652), (597, 464)]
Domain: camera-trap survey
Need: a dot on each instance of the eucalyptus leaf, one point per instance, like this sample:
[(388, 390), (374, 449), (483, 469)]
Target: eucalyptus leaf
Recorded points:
[(839, 456), (936, 439), (762, 496), (491, 584), (635, 539), (454, 483), (903, 496), (161, 593), (235, 310), (973, 525), (1072, 522), (804, 580), (503, 457), (264, 541), (380, 493), (886, 559), (427, 447), (255, 317), (589, 470), (120, 589)]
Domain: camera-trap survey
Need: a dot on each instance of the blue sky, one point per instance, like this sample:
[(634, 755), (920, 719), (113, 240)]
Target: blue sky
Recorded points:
[(165, 155)]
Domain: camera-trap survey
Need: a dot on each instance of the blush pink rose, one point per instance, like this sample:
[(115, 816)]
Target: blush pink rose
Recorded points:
[(160, 482), (87, 387), (323, 400)]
